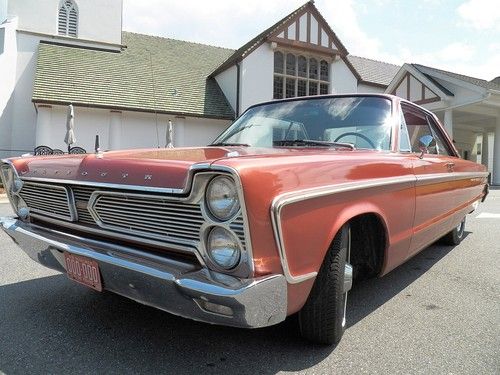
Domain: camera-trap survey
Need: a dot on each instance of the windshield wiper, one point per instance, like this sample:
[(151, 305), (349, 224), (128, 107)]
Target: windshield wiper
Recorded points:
[(229, 144), (313, 142)]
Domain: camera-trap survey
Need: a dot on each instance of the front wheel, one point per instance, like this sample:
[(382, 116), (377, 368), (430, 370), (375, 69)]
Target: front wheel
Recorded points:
[(456, 236), (323, 318)]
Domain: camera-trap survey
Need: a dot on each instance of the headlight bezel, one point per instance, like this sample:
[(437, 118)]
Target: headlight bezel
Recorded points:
[(13, 185), (209, 201)]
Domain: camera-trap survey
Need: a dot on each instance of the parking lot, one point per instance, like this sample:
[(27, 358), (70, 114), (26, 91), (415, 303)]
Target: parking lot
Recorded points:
[(438, 313)]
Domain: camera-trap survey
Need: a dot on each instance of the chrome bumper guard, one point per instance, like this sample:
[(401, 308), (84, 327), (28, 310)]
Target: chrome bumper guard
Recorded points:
[(177, 287)]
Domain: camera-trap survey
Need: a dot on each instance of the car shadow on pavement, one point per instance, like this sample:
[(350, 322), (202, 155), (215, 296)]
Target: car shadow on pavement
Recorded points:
[(52, 325)]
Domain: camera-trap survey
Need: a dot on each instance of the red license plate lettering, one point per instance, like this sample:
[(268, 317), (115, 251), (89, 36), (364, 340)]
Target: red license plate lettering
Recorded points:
[(83, 270)]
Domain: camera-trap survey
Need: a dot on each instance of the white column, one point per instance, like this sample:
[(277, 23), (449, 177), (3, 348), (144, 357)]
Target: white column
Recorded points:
[(496, 153), (115, 130), (43, 123), (448, 122), (484, 149), (178, 125)]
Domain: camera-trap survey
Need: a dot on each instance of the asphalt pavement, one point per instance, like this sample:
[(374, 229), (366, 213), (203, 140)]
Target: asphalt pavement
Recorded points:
[(439, 313)]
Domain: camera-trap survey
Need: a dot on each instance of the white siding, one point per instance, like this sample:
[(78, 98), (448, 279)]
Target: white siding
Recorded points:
[(97, 20), (227, 81), (342, 79), (401, 90), (324, 38), (314, 30), (257, 77), (429, 94), (291, 31), (370, 89), (303, 28), (415, 89), (8, 58), (138, 129)]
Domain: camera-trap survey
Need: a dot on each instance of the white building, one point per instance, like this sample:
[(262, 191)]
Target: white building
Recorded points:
[(126, 86)]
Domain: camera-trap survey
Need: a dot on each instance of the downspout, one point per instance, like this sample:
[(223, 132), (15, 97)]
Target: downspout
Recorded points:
[(238, 71)]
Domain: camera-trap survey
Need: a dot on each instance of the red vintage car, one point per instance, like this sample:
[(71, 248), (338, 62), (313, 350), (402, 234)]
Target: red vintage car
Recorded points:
[(290, 206)]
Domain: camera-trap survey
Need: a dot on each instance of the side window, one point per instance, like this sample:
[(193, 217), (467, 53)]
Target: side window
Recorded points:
[(404, 138), (442, 146), (418, 126)]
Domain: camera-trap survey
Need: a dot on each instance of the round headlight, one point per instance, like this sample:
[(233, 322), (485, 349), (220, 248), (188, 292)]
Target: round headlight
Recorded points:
[(222, 198), (223, 248)]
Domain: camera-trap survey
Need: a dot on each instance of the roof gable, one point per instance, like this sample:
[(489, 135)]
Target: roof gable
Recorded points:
[(304, 28), (411, 84)]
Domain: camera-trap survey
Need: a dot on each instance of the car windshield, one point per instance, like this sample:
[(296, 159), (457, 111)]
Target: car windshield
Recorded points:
[(363, 122)]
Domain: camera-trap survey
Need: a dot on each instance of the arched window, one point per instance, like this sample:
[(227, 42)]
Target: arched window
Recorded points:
[(67, 21)]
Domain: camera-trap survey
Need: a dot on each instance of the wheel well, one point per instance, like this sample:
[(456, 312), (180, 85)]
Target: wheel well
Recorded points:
[(368, 242)]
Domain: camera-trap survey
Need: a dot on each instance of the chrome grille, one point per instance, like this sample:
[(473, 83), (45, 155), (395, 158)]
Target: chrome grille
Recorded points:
[(45, 199), (147, 216), (82, 196), (238, 227)]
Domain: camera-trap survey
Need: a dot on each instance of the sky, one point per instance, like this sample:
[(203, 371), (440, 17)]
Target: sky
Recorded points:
[(462, 36)]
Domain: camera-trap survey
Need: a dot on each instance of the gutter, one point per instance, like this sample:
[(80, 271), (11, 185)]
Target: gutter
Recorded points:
[(475, 101), (238, 83)]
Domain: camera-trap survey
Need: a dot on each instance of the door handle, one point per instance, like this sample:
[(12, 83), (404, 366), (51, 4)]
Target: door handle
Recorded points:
[(450, 166)]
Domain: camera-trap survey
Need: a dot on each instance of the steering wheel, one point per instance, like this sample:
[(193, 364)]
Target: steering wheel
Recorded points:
[(364, 137)]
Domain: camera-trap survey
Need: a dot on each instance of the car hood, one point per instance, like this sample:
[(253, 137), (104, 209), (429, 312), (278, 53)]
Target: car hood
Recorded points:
[(167, 168)]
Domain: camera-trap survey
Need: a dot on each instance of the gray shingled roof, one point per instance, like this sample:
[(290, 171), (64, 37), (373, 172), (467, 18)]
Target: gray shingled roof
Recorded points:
[(373, 71), (475, 81), (124, 80)]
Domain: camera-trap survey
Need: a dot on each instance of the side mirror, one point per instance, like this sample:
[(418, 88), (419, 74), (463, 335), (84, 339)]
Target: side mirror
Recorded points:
[(425, 142)]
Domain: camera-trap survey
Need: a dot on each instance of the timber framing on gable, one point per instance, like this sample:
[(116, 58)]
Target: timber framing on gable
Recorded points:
[(305, 29), (411, 88)]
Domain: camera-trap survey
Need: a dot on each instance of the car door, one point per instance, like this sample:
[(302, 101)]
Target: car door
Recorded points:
[(433, 167)]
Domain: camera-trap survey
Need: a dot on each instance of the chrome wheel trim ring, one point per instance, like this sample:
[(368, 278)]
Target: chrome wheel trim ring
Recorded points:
[(347, 276)]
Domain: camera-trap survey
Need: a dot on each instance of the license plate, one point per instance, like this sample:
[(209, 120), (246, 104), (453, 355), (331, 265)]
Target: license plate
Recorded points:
[(83, 270)]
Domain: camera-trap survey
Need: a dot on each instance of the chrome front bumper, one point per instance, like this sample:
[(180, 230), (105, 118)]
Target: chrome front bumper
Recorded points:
[(177, 287)]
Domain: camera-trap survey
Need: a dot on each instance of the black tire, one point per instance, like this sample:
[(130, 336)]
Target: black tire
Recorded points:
[(456, 236), (322, 319)]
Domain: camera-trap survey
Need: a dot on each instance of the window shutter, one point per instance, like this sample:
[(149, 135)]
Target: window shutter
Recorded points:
[(67, 21)]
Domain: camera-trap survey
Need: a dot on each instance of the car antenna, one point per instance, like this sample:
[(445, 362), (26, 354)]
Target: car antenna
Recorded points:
[(97, 147)]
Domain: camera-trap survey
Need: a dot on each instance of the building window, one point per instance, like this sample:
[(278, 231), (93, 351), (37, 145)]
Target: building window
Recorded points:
[(67, 21), (298, 75)]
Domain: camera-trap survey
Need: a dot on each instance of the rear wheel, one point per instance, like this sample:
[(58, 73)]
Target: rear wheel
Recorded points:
[(323, 318), (456, 236)]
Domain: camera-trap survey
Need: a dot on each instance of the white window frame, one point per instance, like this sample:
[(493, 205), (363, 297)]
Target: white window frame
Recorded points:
[(296, 77)]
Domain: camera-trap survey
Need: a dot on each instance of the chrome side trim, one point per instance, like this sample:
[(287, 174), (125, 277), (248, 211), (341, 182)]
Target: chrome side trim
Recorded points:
[(427, 179), (285, 199)]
